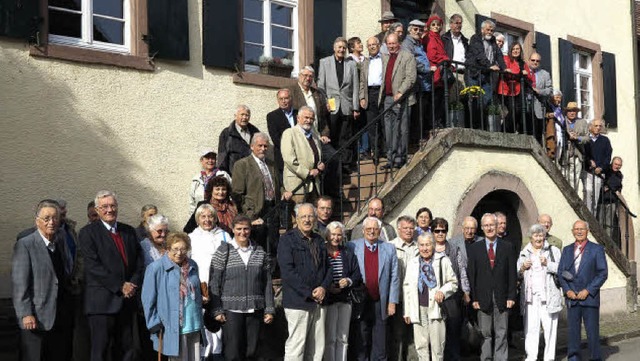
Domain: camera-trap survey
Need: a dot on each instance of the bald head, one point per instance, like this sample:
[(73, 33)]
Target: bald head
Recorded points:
[(546, 221), (393, 43)]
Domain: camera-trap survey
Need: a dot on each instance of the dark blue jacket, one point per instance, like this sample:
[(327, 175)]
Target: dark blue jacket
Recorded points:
[(351, 270), (590, 276), (598, 151), (300, 276)]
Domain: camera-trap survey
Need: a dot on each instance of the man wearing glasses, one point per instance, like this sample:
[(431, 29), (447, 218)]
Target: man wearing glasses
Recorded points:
[(492, 278), (114, 268), (542, 88)]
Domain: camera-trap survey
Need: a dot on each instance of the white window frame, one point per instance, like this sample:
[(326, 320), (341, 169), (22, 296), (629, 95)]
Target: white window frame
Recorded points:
[(86, 31), (266, 31), (507, 34), (588, 72)]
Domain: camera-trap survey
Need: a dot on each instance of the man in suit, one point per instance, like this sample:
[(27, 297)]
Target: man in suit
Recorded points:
[(338, 78), (455, 45), (375, 208), (233, 143), (542, 88), (484, 60), (582, 271), (597, 157), (302, 158), (378, 264), (492, 277), (41, 296), (370, 83), (398, 77), (278, 121), (467, 238), (114, 268), (306, 277), (257, 191)]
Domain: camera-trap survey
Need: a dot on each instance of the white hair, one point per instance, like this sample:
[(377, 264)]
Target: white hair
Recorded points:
[(103, 194), (156, 221), (372, 219)]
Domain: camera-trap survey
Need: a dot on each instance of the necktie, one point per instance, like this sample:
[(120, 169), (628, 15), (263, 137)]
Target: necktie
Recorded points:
[(492, 255), (269, 192), (577, 254)]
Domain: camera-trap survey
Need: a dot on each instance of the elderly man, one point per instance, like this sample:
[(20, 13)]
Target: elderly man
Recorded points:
[(306, 276), (370, 82), (385, 22), (502, 231), (278, 121), (398, 79), (484, 60), (583, 270), (324, 206), (492, 277), (597, 157), (302, 158), (375, 208), (234, 140), (40, 282), (338, 78), (468, 236), (542, 88), (546, 221), (400, 342), (413, 44), (578, 133), (456, 45), (113, 271), (379, 267), (257, 191)]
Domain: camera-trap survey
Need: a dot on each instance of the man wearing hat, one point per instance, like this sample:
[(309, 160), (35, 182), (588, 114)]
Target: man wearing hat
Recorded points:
[(578, 132), (385, 22)]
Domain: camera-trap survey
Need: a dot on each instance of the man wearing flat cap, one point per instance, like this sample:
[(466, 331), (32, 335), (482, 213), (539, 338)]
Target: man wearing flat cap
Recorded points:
[(385, 22)]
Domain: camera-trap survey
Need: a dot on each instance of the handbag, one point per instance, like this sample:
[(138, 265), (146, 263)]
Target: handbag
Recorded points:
[(357, 296), (450, 306), (556, 280)]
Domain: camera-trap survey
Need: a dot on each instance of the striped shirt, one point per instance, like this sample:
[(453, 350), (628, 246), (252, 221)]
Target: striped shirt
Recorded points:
[(336, 266)]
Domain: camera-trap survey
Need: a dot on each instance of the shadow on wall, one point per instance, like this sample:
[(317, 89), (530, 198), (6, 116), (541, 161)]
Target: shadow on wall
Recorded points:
[(51, 149)]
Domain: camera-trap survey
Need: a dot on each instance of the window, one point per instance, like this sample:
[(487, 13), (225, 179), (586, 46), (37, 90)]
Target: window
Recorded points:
[(102, 24), (583, 74), (270, 30), (510, 37)]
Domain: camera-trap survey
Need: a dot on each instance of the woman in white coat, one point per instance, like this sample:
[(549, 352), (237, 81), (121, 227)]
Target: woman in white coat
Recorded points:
[(428, 281), (540, 297), (205, 241)]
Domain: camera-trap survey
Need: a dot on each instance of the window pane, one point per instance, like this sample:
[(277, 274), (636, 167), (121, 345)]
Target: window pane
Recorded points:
[(252, 54), (584, 82), (279, 53), (112, 8), (253, 32), (281, 37), (281, 15), (585, 112), (63, 23), (108, 31), (67, 4), (584, 97), (583, 61), (253, 9)]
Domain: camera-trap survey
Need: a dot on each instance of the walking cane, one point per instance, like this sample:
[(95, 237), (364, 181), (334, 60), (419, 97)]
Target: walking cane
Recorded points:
[(160, 346)]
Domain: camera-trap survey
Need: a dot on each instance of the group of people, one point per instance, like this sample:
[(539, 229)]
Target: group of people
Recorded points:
[(396, 293)]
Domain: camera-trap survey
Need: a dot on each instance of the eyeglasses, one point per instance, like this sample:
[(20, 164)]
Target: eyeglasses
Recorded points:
[(161, 231), (439, 231), (535, 60), (48, 219), (179, 250), (489, 226), (106, 207)]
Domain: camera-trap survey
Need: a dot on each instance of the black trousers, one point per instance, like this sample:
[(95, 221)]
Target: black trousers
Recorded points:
[(113, 333), (371, 341), (340, 126), (240, 334), (376, 138), (453, 332), (55, 344)]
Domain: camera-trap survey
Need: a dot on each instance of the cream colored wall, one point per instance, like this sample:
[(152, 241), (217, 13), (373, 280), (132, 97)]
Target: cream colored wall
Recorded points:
[(71, 129), (606, 23), (362, 9), (443, 188)]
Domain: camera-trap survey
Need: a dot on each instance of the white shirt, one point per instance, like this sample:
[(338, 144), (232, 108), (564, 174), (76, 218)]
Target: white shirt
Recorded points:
[(50, 245), (110, 227), (244, 134), (458, 50), (374, 76)]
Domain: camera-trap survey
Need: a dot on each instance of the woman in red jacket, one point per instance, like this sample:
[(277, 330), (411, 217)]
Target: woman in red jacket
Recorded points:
[(436, 55), (509, 86)]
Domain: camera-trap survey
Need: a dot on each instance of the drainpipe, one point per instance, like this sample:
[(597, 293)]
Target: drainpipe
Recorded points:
[(632, 282)]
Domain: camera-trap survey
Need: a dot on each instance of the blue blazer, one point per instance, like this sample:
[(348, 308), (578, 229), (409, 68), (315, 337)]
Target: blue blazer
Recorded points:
[(388, 278), (351, 270), (590, 276)]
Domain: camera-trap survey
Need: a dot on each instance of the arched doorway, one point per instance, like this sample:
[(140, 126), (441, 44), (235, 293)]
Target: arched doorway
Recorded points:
[(506, 202)]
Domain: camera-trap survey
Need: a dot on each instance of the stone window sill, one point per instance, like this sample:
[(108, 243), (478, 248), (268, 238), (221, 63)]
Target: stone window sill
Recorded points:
[(267, 81), (92, 56)]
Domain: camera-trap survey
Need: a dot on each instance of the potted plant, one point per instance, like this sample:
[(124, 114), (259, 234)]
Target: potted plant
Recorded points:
[(276, 66), (494, 115), (456, 114)]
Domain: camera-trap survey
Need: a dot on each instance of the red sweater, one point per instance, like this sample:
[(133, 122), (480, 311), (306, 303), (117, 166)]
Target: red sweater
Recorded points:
[(371, 273), (512, 80), (388, 75)]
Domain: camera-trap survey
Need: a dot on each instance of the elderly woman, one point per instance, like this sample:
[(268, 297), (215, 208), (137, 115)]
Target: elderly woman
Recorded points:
[(172, 301), (218, 194), (346, 274), (423, 220), (437, 55), (147, 211), (429, 280), (241, 291), (205, 241), (200, 180), (540, 296), (153, 247), (553, 130), (440, 227)]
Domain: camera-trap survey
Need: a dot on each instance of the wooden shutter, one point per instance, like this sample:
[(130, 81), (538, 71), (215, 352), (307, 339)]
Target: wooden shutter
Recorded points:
[(479, 20), (168, 29), (543, 47), (327, 26), (19, 18), (222, 33), (609, 89), (567, 77)]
